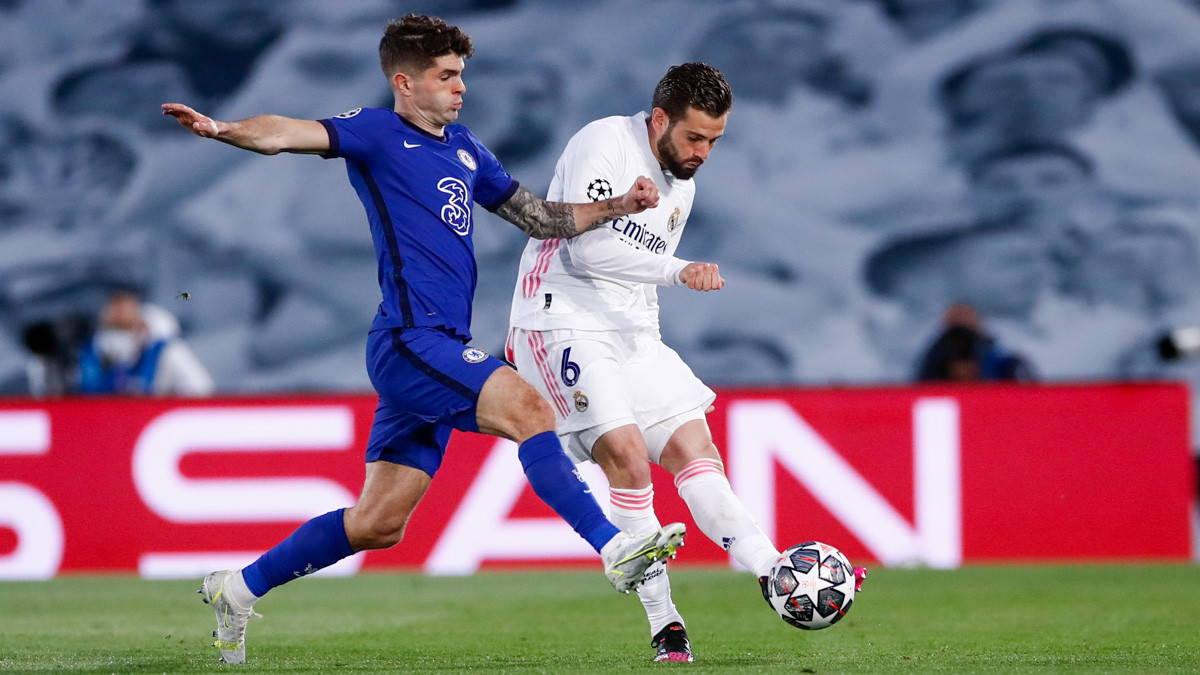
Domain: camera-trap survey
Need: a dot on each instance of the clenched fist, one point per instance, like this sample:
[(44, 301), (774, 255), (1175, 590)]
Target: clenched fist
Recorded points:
[(702, 276)]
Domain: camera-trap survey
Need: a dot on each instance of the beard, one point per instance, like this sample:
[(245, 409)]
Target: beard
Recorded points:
[(670, 156)]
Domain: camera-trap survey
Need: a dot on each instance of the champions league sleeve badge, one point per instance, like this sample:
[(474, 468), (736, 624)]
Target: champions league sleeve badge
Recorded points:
[(599, 190)]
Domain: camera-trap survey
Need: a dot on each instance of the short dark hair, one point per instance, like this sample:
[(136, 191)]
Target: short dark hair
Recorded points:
[(693, 85), (411, 44)]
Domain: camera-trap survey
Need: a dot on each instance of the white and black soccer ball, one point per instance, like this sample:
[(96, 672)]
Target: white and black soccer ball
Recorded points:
[(811, 586), (599, 190)]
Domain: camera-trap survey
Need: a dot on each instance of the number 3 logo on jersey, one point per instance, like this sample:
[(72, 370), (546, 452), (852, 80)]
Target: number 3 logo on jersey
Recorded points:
[(457, 211)]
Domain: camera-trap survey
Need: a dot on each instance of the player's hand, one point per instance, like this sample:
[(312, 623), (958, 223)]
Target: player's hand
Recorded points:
[(702, 276), (198, 124), (643, 195)]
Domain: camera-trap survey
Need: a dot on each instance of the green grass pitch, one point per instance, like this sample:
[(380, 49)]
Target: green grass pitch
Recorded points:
[(1000, 619)]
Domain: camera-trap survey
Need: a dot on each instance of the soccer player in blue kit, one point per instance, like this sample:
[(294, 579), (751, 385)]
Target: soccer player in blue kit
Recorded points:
[(417, 175)]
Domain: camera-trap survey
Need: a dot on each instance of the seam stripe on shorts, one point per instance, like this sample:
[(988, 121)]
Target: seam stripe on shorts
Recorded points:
[(698, 467), (431, 372), (538, 347)]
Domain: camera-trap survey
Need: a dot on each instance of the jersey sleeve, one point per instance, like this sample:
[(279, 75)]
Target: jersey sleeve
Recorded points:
[(493, 186), (352, 134), (601, 251), (589, 171), (590, 166)]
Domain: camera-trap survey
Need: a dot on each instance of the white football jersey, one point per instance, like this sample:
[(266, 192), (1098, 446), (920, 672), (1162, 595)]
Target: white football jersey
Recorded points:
[(605, 279)]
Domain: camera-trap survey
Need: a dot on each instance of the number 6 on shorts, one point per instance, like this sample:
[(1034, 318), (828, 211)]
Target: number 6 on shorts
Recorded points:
[(569, 370)]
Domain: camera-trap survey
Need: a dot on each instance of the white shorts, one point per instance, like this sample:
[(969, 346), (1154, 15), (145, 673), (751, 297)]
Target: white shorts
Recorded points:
[(598, 381)]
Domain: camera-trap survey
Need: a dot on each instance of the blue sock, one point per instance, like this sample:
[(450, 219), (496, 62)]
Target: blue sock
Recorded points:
[(314, 545), (555, 480)]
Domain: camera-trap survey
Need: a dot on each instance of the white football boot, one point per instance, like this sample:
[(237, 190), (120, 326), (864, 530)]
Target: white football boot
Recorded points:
[(626, 557), (231, 622)]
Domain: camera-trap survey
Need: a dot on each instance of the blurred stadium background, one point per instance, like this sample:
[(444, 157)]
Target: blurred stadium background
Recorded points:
[(1038, 160), (851, 201)]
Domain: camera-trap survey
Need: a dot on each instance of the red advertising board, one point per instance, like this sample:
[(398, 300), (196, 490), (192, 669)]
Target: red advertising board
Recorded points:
[(929, 476)]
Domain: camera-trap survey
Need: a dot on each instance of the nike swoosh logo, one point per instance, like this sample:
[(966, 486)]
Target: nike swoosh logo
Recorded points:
[(411, 145)]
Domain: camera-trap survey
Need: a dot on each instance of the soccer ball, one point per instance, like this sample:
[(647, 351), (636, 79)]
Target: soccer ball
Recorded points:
[(810, 586)]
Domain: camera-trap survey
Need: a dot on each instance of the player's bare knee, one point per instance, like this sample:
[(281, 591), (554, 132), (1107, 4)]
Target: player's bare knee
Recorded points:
[(623, 456), (531, 414), (367, 531), (627, 470), (675, 456), (379, 535), (512, 408)]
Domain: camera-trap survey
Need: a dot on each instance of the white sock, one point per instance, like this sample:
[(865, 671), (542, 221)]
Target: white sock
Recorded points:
[(721, 515), (633, 512), (238, 593)]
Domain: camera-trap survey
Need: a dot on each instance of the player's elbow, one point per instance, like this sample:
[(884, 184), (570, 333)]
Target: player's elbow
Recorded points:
[(274, 144), (268, 147)]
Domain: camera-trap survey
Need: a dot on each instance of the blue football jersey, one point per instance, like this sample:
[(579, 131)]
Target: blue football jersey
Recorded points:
[(417, 189)]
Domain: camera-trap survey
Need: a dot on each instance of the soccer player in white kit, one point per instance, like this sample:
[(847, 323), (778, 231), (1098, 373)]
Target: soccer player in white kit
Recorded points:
[(585, 330)]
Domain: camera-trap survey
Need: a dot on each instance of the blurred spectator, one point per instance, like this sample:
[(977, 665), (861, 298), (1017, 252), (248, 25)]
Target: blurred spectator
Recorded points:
[(517, 104), (1180, 85), (137, 350), (197, 51), (1148, 264), (61, 253), (1043, 89), (921, 19), (1000, 269), (122, 91), (61, 181), (1005, 271), (736, 359), (964, 352), (216, 42), (1030, 178), (1051, 187), (770, 51), (55, 346)]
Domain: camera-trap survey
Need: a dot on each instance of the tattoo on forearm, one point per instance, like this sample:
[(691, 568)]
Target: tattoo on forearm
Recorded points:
[(541, 219), (538, 218), (612, 213)]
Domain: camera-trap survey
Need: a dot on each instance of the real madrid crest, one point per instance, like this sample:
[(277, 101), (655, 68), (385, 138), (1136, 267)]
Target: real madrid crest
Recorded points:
[(473, 355), (581, 401), (674, 221), (466, 158)]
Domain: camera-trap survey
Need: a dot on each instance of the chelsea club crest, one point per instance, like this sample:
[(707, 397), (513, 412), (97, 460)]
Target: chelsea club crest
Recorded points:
[(473, 355)]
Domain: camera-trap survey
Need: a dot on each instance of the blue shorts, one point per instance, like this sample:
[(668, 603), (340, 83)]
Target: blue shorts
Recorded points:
[(428, 384)]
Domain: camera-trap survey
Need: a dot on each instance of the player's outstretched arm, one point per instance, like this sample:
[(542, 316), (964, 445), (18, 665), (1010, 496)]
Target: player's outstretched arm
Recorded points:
[(264, 134), (541, 219)]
